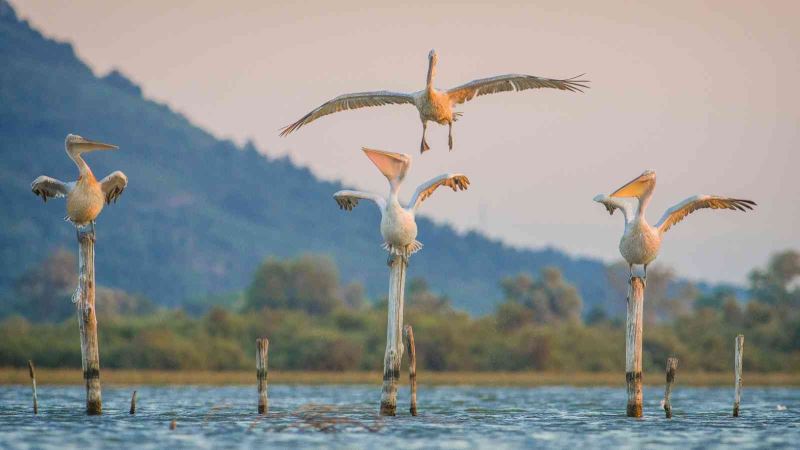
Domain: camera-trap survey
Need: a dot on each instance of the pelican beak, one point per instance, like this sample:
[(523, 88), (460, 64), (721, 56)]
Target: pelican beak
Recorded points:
[(636, 187), (392, 165), (86, 145)]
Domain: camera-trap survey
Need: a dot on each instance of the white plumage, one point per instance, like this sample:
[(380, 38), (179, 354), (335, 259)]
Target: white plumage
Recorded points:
[(398, 223), (85, 196), (435, 105), (641, 241)]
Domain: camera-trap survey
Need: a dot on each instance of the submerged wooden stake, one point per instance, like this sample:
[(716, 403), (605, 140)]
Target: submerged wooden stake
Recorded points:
[(672, 366), (173, 425), (394, 343), (633, 347), (262, 355), (133, 403), (32, 372), (408, 333), (737, 368), (87, 321)]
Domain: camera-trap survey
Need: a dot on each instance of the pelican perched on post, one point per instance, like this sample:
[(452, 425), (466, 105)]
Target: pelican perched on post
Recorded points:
[(398, 225), (436, 105), (399, 231), (641, 241), (86, 195)]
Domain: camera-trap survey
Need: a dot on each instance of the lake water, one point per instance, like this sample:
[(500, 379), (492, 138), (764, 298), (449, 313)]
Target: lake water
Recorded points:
[(450, 417)]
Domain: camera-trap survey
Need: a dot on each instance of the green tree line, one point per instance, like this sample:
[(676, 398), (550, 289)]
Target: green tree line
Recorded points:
[(315, 323)]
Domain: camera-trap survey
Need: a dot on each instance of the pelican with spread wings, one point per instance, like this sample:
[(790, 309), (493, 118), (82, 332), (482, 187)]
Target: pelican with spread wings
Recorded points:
[(641, 241), (85, 196), (398, 225), (436, 105)]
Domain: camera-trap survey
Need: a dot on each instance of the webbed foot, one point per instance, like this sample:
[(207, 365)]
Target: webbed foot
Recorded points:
[(424, 146)]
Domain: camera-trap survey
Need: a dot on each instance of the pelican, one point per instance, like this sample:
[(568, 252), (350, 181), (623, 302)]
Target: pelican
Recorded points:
[(85, 196), (398, 225), (641, 241), (436, 105)]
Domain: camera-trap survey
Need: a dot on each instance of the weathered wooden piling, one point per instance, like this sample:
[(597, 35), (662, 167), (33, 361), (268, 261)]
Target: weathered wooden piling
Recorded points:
[(672, 367), (87, 320), (32, 372), (133, 403), (408, 333), (633, 346), (394, 343), (262, 358), (737, 368)]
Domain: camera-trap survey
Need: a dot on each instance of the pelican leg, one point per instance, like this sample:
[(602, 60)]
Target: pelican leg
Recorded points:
[(645, 274), (424, 145), (630, 273), (450, 135)]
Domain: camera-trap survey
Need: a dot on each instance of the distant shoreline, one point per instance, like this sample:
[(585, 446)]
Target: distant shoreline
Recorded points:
[(127, 377)]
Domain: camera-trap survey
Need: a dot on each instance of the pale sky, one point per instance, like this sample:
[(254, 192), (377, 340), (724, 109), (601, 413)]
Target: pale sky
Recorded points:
[(705, 93)]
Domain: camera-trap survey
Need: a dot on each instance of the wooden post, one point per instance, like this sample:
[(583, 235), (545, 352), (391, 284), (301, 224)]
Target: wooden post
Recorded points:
[(737, 367), (87, 321), (408, 333), (394, 343), (633, 347), (262, 355), (133, 403), (32, 372), (672, 366)]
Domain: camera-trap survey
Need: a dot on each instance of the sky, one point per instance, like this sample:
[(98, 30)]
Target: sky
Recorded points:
[(704, 93)]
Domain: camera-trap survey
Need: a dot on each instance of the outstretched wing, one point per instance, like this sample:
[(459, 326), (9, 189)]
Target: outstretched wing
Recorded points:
[(614, 203), (512, 82), (113, 185), (350, 101), (47, 187), (692, 204), (456, 182), (349, 199)]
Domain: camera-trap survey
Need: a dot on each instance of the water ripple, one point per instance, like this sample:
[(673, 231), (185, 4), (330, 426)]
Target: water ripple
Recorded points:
[(346, 417)]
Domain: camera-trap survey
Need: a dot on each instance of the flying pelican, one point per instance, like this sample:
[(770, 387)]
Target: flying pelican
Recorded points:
[(85, 197), (398, 225), (434, 104), (641, 241)]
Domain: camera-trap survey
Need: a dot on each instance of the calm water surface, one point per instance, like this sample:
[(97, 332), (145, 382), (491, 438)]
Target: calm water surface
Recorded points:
[(450, 417)]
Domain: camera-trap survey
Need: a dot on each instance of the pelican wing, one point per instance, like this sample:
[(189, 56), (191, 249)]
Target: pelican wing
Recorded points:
[(113, 185), (456, 182), (692, 204), (349, 199), (512, 82), (350, 101), (47, 187), (614, 203)]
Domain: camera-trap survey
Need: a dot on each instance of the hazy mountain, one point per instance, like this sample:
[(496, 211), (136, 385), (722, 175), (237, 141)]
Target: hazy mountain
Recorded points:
[(200, 213)]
